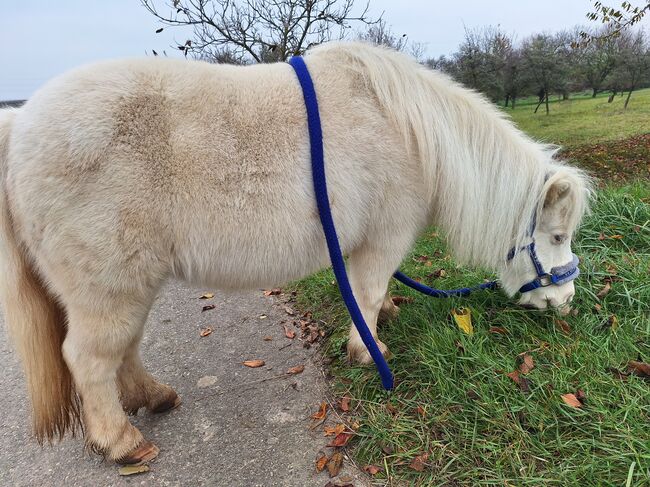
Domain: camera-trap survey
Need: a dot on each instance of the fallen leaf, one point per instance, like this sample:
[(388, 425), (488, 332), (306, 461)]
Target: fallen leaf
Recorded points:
[(580, 395), (597, 307), (522, 382), (273, 292), (289, 333), (345, 404), (498, 330), (420, 410), (321, 462), (571, 400), (267, 338), (208, 307), (639, 368), (611, 322), (371, 469), (341, 439), (334, 431), (207, 296), (601, 236), (421, 258), (399, 300), (391, 409), (253, 364), (603, 292), (527, 364), (322, 411), (419, 462), (289, 311), (296, 370), (463, 318), (205, 331), (616, 237), (133, 469), (566, 329), (335, 463)]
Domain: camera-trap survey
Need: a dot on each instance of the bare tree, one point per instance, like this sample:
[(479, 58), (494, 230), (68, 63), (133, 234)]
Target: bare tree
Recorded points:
[(381, 34), (257, 30)]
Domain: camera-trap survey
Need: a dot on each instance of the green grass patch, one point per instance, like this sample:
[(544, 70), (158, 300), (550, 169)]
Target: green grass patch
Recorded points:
[(585, 120), (454, 401)]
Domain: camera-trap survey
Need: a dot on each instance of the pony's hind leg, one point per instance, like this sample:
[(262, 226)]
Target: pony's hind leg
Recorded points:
[(94, 349), (370, 267), (138, 388)]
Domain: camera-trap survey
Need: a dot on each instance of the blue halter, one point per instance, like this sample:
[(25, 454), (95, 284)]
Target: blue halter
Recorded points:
[(558, 275)]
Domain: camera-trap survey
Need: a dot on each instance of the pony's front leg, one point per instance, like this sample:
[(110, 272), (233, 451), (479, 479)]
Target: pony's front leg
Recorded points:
[(94, 350), (370, 268)]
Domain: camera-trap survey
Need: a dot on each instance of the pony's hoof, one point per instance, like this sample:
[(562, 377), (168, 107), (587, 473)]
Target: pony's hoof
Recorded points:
[(146, 452), (167, 405), (357, 352)]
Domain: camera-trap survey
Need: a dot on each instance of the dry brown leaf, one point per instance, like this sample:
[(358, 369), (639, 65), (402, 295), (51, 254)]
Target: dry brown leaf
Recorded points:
[(639, 368), (566, 329), (499, 330), (371, 469), (345, 404), (253, 364), (606, 289), (296, 370), (267, 338), (420, 410), (597, 307), (133, 469), (321, 462), (335, 463), (289, 311), (205, 331), (207, 296), (601, 236), (341, 439), (208, 307), (289, 333), (419, 462), (400, 300), (272, 292), (527, 364), (611, 322), (571, 400), (522, 382), (322, 411), (616, 237), (391, 409), (334, 431)]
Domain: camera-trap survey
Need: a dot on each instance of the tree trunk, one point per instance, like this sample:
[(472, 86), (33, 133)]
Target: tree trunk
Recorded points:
[(546, 103), (627, 100), (512, 104), (594, 93), (507, 100), (612, 95)]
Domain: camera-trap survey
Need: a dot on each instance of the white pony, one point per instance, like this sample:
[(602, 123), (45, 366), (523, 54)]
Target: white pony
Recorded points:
[(118, 175)]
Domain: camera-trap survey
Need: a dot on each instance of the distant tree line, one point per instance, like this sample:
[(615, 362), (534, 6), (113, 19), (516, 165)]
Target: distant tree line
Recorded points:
[(493, 62)]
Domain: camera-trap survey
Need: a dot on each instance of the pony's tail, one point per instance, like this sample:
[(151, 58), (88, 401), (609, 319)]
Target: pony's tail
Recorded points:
[(35, 321)]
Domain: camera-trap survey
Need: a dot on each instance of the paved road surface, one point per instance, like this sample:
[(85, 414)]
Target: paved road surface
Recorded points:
[(231, 430)]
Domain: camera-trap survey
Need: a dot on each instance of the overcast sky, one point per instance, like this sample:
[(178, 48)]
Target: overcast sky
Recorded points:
[(39, 39)]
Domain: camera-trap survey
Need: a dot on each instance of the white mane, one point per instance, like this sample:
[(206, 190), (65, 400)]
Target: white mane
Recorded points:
[(486, 175)]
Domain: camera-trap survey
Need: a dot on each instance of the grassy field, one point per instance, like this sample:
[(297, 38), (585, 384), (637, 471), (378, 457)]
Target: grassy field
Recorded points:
[(456, 417), (583, 120)]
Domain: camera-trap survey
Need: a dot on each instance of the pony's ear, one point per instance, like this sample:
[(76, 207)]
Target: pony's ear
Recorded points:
[(557, 189)]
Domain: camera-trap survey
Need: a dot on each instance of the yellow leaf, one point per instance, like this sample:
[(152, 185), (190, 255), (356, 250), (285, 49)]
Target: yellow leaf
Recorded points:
[(133, 469), (463, 318), (207, 296)]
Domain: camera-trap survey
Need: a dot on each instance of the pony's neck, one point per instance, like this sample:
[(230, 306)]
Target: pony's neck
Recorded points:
[(487, 175)]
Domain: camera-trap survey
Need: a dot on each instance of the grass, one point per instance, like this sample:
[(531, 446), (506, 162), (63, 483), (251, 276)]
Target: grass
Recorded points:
[(583, 120), (454, 401)]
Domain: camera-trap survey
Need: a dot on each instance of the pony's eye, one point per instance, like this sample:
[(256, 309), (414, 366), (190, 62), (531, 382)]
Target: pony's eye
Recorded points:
[(560, 238)]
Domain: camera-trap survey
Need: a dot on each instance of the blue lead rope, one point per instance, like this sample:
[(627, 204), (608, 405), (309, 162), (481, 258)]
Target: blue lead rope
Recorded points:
[(322, 201), (557, 275)]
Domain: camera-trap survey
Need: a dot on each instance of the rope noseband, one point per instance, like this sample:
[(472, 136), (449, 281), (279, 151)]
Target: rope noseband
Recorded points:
[(557, 276)]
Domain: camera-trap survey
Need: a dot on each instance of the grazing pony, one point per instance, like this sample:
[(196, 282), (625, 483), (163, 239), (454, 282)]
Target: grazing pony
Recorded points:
[(120, 175)]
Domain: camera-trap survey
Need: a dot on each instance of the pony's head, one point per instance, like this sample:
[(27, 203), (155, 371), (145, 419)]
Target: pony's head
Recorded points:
[(544, 268)]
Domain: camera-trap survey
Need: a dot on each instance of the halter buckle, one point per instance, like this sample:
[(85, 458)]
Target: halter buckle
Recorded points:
[(545, 280)]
